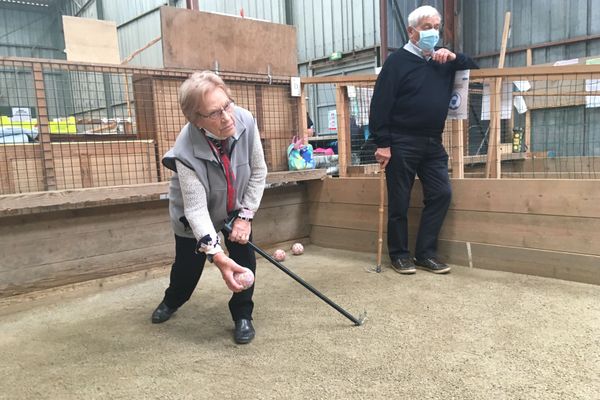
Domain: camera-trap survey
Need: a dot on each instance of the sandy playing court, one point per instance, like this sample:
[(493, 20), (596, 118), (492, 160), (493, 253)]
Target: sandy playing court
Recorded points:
[(473, 334)]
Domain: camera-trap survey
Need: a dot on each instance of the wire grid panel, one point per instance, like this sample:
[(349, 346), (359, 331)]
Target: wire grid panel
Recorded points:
[(66, 125), (547, 125), (20, 159)]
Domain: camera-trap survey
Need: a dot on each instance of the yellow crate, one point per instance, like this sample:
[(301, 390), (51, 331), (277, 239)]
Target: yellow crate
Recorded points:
[(63, 125)]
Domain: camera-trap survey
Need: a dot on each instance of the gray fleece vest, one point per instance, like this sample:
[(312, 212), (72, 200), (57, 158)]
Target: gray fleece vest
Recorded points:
[(193, 150)]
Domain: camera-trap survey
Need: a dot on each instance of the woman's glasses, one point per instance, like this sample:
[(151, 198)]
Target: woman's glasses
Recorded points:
[(215, 115)]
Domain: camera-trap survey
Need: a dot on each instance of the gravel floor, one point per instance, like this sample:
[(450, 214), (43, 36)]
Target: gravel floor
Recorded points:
[(472, 334)]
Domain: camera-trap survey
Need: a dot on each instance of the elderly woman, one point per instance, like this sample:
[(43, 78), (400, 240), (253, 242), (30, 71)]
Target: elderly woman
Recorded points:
[(219, 169)]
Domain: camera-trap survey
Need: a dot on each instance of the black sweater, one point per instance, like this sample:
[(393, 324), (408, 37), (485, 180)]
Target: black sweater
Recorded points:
[(412, 95)]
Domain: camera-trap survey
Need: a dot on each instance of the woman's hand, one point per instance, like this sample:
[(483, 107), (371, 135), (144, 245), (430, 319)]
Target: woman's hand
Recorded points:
[(240, 232), (228, 267)]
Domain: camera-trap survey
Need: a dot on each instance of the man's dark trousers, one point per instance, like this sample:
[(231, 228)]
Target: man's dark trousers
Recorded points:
[(188, 267), (426, 158)]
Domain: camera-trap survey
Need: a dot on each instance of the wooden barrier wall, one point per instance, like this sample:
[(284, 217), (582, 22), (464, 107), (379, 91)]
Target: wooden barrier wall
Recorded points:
[(547, 228), (94, 233), (77, 165)]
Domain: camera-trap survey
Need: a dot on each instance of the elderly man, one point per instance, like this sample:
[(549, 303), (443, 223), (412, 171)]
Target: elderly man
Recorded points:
[(407, 116)]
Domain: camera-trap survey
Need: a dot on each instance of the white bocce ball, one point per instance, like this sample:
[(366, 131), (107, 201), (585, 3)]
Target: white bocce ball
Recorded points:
[(279, 255), (297, 249), (246, 278)]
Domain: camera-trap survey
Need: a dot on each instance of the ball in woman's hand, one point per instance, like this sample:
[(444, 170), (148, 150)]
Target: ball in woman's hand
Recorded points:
[(246, 278), (297, 249), (279, 255)]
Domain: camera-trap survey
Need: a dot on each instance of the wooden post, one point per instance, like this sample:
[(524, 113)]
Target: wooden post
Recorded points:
[(458, 160), (494, 155), (493, 165), (43, 129), (302, 114), (527, 138), (343, 129), (127, 101)]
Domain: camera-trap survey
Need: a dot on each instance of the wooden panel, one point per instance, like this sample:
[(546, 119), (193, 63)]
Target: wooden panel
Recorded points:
[(277, 113), (568, 234), (200, 40), (569, 266), (276, 153), (454, 252), (121, 169), (144, 106), (245, 95), (578, 198), (539, 217), (288, 195), (69, 173), (27, 175), (78, 234), (66, 272), (49, 249), (91, 40)]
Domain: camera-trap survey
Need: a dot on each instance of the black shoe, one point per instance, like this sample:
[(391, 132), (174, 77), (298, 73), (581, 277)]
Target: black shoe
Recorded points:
[(244, 331), (432, 265), (162, 313), (404, 266)]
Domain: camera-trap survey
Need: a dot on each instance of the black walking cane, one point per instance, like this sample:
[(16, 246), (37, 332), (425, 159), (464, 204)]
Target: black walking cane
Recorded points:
[(357, 321)]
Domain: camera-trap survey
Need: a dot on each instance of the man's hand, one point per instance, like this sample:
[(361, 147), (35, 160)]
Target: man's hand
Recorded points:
[(240, 232), (382, 156), (443, 56), (228, 267)]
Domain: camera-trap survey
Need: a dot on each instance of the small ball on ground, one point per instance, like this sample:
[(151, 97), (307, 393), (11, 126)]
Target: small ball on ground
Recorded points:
[(279, 255), (297, 249), (246, 278)]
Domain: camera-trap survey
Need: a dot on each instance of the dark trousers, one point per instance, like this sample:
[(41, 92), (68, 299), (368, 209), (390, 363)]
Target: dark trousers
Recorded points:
[(188, 267), (426, 158)]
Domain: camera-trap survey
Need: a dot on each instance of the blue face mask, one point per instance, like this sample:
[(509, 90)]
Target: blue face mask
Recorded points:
[(428, 39)]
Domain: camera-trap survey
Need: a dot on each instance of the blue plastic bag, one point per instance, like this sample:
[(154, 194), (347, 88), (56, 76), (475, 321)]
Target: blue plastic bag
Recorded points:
[(300, 155)]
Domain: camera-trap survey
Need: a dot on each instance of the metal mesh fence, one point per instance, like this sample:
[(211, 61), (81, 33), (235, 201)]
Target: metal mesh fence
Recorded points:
[(526, 123), (546, 125), (67, 126)]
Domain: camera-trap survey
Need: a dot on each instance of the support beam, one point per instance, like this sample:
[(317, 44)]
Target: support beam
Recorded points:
[(44, 129), (343, 129), (493, 166)]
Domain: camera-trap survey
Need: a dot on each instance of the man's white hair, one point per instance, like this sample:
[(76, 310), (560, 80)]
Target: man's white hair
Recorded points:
[(420, 13)]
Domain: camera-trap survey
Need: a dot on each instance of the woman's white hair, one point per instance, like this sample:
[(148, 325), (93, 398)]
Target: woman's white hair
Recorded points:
[(195, 88), (422, 12)]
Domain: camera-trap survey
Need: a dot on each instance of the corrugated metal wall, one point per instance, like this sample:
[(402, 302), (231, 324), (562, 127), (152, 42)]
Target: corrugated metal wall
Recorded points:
[(30, 32), (566, 131), (398, 11), (327, 26), (533, 22), (268, 10)]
